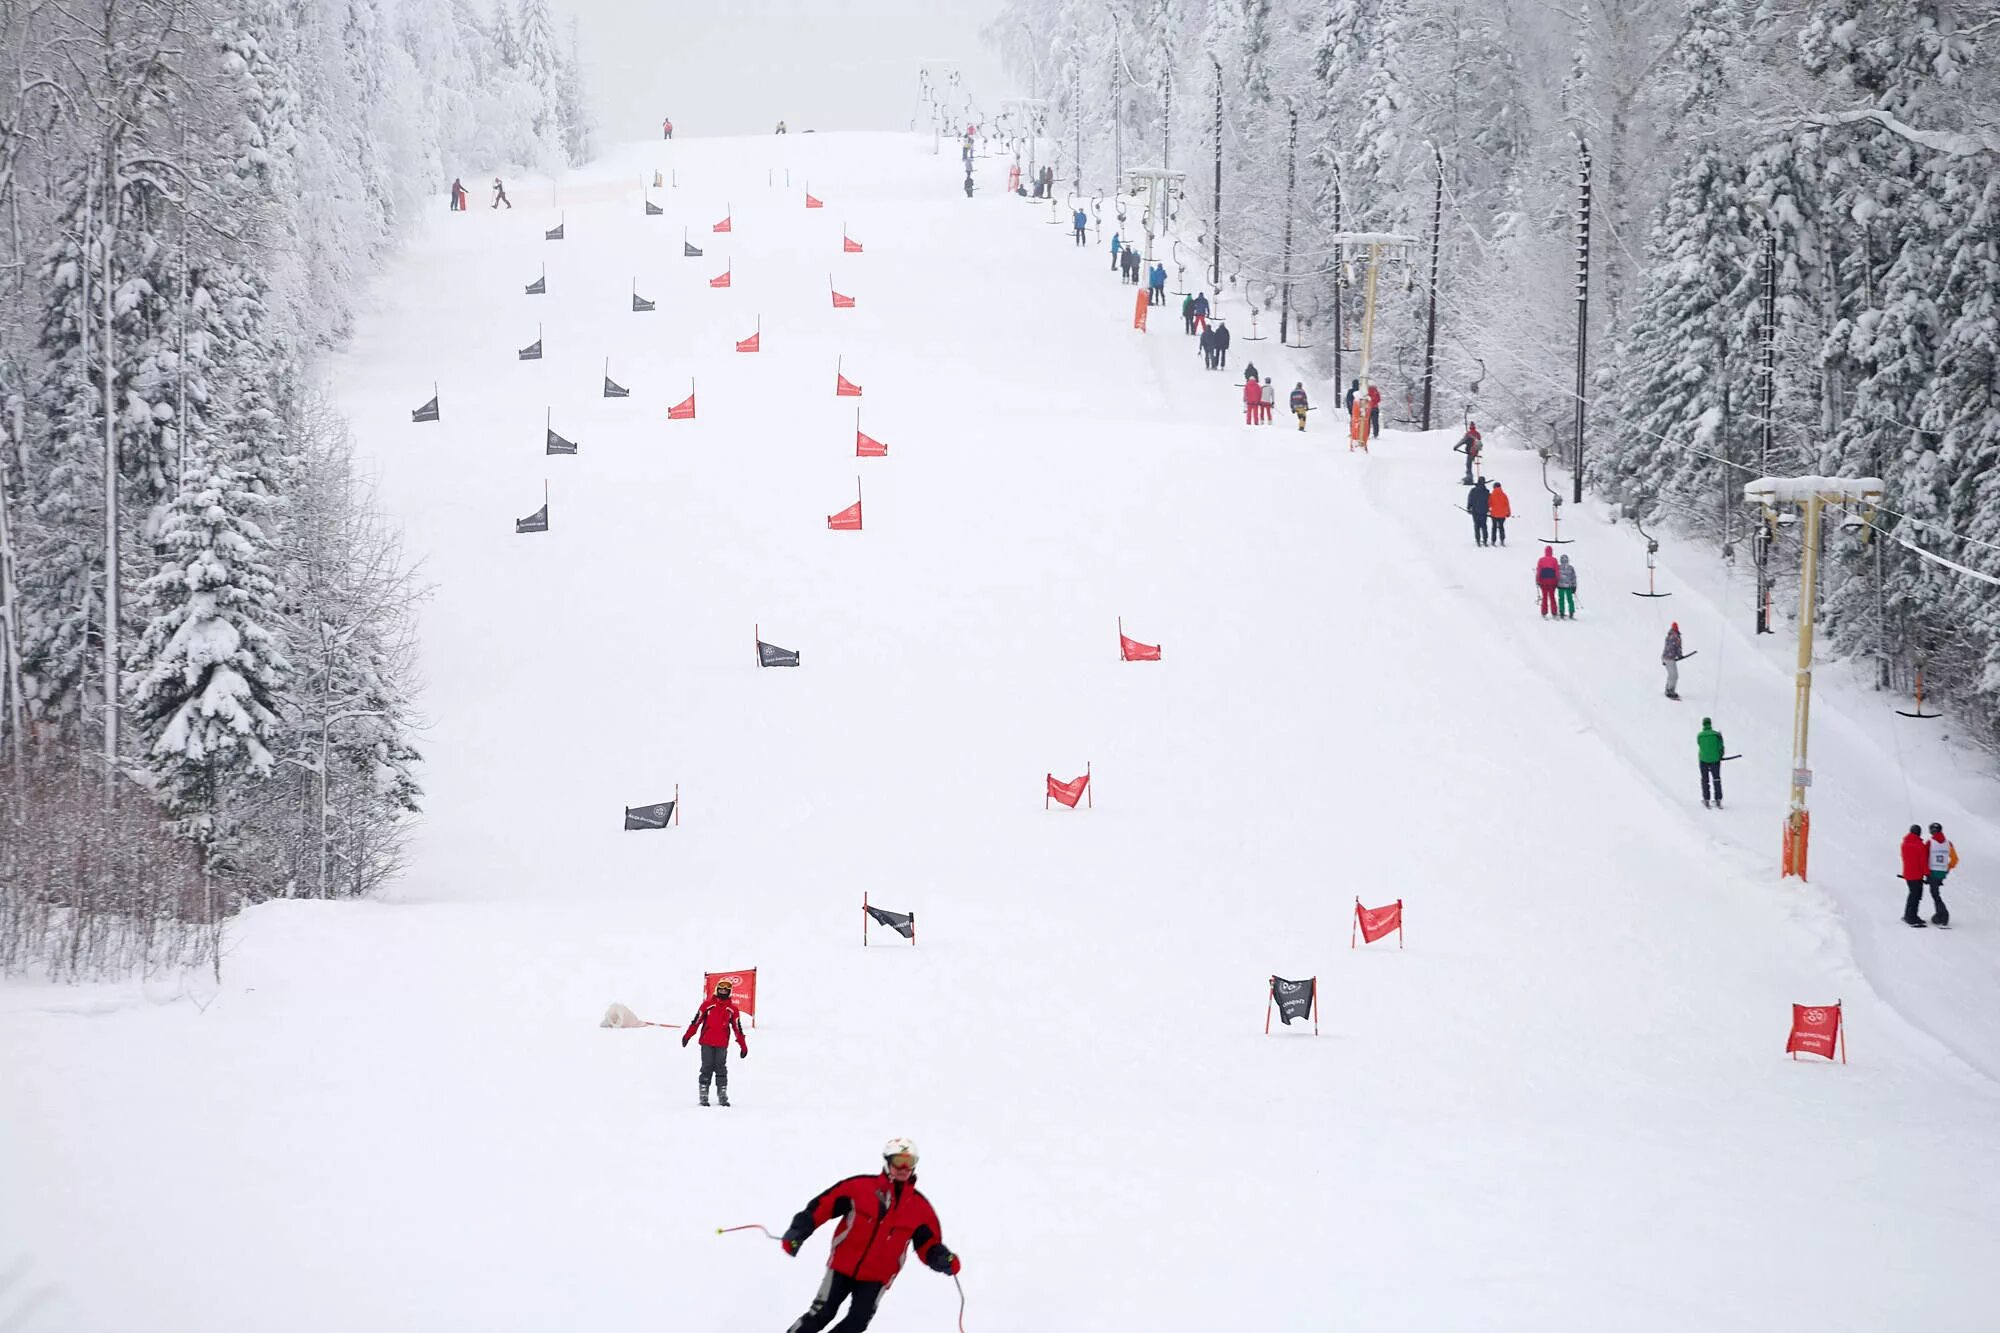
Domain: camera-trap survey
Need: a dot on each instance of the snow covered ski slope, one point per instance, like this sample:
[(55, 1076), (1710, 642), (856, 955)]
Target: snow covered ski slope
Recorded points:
[(1563, 1105)]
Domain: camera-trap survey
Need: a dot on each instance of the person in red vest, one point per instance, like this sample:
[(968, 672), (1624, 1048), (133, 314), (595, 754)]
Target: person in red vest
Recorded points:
[(1916, 866), (1253, 402), (717, 1018), (881, 1216), (1547, 572), (667, 127)]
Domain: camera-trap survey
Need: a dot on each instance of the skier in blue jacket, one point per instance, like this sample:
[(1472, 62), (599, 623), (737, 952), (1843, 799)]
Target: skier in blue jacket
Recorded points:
[(1201, 312), (1116, 246), (1080, 220), (1159, 284)]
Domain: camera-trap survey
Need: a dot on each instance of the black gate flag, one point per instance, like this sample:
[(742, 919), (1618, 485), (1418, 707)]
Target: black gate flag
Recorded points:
[(558, 445), (1293, 998), (903, 923), (771, 655), (540, 286), (428, 412), (532, 352), (554, 233), (649, 816), (535, 522), (640, 304), (613, 389), (690, 251), (652, 209)]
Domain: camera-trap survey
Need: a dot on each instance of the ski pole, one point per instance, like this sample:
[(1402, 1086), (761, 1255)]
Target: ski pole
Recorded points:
[(723, 1231), (961, 1301)]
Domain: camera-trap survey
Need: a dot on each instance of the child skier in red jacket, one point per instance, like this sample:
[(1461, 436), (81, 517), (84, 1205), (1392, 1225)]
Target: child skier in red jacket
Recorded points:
[(717, 1018)]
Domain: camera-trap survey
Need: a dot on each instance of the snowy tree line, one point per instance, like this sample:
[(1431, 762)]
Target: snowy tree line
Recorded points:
[(1849, 147), (206, 681)]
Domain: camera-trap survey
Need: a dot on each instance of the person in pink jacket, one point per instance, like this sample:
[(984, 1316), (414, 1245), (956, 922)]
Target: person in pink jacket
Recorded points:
[(1547, 572), (1253, 401)]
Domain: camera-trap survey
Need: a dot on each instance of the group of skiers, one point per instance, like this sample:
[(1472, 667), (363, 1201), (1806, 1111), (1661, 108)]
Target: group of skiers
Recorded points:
[(1260, 398), (1555, 579), (881, 1216), (1926, 861), (1490, 508), (1374, 400), (1214, 343), (1045, 183), (458, 193)]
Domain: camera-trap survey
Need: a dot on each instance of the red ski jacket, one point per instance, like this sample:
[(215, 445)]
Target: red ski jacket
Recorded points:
[(880, 1219), (716, 1019), (1547, 571), (1916, 857)]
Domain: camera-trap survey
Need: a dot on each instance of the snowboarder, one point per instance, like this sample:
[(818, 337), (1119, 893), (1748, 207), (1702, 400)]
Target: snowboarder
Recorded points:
[(1187, 314), (500, 195), (1547, 571), (1708, 748), (1500, 508), (1943, 860), (880, 1215), (1299, 404), (1479, 504), (667, 127), (715, 1020), (1117, 246), (1565, 581), (1080, 220), (1221, 337), (1201, 310), (1270, 400), (1916, 868), (1253, 401), (1470, 444), (1670, 657)]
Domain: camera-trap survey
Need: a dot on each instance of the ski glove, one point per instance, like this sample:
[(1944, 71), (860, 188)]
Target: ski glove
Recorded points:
[(743, 1052), (684, 1042), (794, 1239), (943, 1260)]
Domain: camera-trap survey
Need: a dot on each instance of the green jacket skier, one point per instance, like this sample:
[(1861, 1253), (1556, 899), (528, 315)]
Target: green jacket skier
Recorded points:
[(1708, 748)]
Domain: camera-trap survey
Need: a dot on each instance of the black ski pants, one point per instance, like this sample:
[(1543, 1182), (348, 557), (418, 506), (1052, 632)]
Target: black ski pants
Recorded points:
[(1479, 528), (715, 1065), (861, 1298), (1079, 236), (1711, 771), (1499, 530), (1939, 913), (1913, 905)]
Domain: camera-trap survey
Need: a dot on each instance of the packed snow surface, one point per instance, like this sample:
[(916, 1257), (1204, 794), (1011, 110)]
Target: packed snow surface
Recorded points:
[(1564, 1104)]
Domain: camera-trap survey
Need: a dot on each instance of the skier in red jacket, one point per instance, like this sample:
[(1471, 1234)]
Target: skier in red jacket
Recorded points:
[(1547, 573), (1916, 865), (717, 1018), (880, 1216)]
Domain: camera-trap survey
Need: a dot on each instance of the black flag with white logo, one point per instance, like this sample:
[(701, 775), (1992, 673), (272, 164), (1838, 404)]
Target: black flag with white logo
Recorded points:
[(539, 287), (554, 233), (1293, 998), (649, 816), (558, 445), (903, 923), (428, 412), (771, 655), (653, 210), (690, 251), (613, 389), (535, 522), (532, 352)]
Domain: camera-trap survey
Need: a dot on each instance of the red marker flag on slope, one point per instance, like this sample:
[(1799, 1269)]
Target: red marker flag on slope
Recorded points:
[(866, 446), (683, 410), (1376, 922), (1131, 650), (844, 387), (842, 302), (849, 246), (754, 343), (721, 279), (1068, 793), (813, 203), (847, 520), (722, 226), (742, 989), (1816, 1031)]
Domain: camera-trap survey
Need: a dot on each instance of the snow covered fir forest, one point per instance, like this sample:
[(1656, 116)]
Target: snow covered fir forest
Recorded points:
[(207, 696)]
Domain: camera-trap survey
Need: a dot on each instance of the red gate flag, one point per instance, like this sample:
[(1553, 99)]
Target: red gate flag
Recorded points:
[(742, 989), (754, 343), (842, 302), (1069, 793), (844, 387), (813, 203), (849, 246), (1139, 311), (867, 447), (722, 226), (1131, 650), (1376, 922), (848, 519), (722, 279), (1816, 1030), (684, 409)]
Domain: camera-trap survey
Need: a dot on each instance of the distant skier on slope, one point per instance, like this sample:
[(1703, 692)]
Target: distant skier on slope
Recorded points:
[(968, 185), (1270, 401), (1479, 504), (1916, 866), (1200, 311), (1470, 444), (1221, 337), (500, 195), (716, 1020), (1500, 508), (1117, 248), (880, 1216), (1708, 748), (1253, 401), (1670, 657), (1299, 404), (1943, 860), (1159, 288), (1565, 581), (1080, 220), (1547, 571), (1187, 313)]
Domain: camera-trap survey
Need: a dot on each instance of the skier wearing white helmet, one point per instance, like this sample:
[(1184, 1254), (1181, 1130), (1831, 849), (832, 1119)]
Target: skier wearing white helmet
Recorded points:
[(880, 1216)]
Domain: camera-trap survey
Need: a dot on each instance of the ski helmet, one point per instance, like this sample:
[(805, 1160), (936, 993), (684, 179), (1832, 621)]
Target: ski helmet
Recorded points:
[(724, 986), (1937, 828), (899, 1148)]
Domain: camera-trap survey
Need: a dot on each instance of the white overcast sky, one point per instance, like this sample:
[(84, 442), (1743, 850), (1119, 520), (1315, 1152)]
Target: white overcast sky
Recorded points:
[(740, 66)]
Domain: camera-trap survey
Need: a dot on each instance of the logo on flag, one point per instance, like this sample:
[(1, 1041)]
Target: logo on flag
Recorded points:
[(742, 989), (558, 445), (658, 815), (535, 522), (613, 389), (1294, 999), (771, 655), (847, 520), (1375, 922)]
